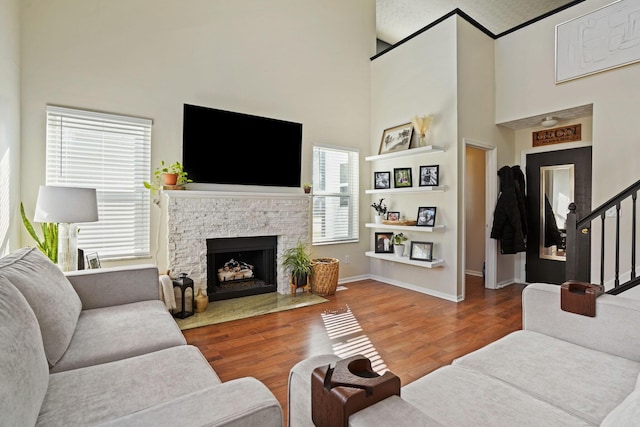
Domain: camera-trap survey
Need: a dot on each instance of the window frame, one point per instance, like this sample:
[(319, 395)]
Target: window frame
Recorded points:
[(111, 153), (342, 180)]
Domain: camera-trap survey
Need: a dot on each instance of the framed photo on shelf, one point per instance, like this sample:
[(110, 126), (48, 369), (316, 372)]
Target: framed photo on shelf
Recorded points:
[(393, 216), (396, 138), (426, 216), (381, 180), (93, 261), (429, 176), (421, 251), (402, 177), (383, 243)]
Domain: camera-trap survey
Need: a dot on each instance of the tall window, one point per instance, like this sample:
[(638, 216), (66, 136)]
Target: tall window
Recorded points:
[(335, 195), (110, 153)]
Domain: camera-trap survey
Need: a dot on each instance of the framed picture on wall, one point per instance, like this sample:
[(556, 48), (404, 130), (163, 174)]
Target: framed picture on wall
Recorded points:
[(393, 216), (382, 180), (396, 138), (429, 176), (426, 216), (383, 243), (402, 177), (421, 251)]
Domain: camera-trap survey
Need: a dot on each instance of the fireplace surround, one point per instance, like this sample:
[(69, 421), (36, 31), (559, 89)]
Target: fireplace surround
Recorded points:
[(195, 216)]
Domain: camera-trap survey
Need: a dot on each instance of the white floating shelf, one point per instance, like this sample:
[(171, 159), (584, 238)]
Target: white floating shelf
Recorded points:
[(434, 229), (406, 190), (429, 149), (405, 260)]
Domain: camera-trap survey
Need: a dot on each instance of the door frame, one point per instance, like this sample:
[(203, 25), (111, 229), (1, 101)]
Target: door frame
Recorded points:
[(491, 195), (521, 258)]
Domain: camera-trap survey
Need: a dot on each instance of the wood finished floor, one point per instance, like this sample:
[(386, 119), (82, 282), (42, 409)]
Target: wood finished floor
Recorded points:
[(412, 333)]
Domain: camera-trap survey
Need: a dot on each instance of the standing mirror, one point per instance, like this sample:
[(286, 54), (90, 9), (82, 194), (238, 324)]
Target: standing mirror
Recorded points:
[(557, 186)]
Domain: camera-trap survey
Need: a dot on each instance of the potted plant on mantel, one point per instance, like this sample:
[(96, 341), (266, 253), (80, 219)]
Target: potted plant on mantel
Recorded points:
[(380, 209), (398, 240), (297, 261), (171, 176)]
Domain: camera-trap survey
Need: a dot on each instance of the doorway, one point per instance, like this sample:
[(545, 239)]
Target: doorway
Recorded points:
[(555, 179), (484, 175)]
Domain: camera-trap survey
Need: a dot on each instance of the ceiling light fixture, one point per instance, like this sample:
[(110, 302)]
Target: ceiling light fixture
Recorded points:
[(549, 121)]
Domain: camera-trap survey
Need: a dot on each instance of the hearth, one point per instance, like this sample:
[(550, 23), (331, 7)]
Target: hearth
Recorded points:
[(241, 266)]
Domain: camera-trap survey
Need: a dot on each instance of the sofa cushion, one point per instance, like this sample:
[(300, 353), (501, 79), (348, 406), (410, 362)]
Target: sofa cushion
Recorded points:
[(24, 373), (50, 295), (456, 396), (113, 333), (564, 374), (97, 394)]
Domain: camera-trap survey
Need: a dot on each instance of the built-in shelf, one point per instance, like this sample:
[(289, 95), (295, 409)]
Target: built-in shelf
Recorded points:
[(435, 228), (406, 260), (406, 190), (429, 149)]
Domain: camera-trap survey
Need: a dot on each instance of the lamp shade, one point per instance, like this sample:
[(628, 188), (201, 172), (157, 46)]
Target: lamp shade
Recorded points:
[(66, 204)]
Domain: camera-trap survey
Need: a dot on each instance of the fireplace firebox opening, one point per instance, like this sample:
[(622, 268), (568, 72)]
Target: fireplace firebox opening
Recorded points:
[(241, 266)]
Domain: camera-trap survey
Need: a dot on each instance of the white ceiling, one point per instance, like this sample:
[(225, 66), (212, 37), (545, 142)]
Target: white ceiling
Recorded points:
[(397, 19)]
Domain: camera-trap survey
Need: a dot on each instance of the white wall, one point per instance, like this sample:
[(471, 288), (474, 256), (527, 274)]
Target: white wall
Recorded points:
[(525, 86), (476, 106), (298, 60), (9, 125), (419, 78)]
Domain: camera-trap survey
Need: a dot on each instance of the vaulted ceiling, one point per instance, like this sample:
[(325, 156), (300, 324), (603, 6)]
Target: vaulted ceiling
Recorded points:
[(397, 19)]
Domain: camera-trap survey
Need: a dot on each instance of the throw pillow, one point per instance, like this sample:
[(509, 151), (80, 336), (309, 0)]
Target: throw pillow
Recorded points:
[(50, 295)]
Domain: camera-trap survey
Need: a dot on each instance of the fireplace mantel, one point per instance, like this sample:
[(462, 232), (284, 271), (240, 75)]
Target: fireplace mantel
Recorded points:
[(233, 194), (193, 216)]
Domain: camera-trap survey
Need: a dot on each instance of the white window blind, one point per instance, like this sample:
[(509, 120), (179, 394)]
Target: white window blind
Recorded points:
[(110, 153), (335, 195)]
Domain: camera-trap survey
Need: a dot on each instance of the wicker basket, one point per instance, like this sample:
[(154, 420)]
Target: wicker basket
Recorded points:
[(324, 278)]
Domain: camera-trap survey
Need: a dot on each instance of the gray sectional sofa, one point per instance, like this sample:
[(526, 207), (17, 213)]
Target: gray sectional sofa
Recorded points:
[(98, 347), (561, 369)]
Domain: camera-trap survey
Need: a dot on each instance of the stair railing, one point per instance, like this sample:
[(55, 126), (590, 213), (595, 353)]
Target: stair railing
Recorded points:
[(576, 270)]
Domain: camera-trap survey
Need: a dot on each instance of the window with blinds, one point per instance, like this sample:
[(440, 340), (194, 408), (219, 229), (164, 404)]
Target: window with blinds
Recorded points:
[(110, 153), (335, 195)]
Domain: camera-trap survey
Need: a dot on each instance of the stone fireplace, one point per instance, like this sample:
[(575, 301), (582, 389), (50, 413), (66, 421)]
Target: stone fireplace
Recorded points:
[(195, 217)]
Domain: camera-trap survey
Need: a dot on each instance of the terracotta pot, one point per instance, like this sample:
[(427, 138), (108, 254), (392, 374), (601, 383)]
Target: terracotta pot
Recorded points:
[(170, 178)]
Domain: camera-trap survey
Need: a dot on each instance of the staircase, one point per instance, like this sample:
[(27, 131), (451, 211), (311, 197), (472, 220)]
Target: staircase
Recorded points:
[(578, 268)]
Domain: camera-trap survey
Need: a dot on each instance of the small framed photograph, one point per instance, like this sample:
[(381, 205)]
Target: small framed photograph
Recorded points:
[(396, 138), (93, 261), (393, 216), (426, 216), (382, 180), (402, 177), (429, 176), (383, 243), (421, 251)]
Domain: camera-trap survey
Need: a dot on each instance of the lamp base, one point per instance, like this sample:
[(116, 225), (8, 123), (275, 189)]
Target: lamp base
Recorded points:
[(68, 246)]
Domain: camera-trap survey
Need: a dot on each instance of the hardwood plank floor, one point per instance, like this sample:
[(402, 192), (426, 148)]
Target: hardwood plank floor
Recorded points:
[(406, 332)]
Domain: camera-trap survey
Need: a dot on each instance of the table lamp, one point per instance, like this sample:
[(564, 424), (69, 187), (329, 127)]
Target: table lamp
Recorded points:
[(66, 206)]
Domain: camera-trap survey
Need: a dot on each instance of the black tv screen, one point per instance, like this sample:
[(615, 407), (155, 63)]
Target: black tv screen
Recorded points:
[(226, 147)]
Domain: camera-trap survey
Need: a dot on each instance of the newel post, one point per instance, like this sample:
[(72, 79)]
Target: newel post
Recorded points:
[(571, 246)]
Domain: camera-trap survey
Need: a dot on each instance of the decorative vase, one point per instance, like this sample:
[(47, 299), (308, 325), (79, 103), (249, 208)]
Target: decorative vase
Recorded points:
[(377, 219), (422, 140), (307, 190), (398, 250), (202, 301)]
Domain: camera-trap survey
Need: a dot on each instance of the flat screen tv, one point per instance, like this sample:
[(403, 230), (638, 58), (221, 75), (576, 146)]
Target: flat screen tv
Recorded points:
[(226, 147)]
